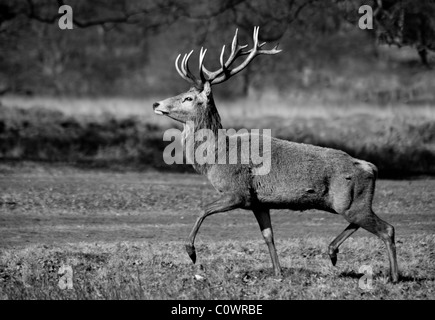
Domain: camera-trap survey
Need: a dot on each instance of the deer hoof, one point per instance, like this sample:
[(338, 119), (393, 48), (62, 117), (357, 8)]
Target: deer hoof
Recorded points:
[(333, 256), (394, 278), (278, 274), (191, 252), (333, 260)]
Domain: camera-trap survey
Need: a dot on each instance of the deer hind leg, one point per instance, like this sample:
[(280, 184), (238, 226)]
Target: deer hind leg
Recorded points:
[(223, 204), (263, 218), (368, 220), (336, 243)]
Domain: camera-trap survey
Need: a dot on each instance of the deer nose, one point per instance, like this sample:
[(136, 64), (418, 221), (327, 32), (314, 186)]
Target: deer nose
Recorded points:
[(155, 105)]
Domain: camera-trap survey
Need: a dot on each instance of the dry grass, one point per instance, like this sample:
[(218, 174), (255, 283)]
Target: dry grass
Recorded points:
[(230, 270), (123, 235)]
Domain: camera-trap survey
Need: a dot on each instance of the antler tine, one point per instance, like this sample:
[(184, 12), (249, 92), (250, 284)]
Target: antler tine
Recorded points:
[(176, 65), (255, 36), (235, 41), (221, 58), (235, 46), (182, 64), (212, 75), (274, 50), (202, 53), (180, 72), (185, 67)]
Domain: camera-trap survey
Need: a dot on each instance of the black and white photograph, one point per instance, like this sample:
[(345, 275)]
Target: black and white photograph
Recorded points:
[(239, 152)]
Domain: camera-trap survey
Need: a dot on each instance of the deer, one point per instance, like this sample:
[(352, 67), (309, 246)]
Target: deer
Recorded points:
[(301, 176)]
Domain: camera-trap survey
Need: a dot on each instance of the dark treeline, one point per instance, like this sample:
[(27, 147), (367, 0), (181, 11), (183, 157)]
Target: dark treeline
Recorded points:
[(128, 47)]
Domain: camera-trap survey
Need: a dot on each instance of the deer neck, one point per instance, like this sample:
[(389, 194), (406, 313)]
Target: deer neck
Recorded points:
[(206, 118)]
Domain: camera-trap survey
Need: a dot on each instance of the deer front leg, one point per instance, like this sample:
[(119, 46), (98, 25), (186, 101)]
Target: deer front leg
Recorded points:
[(225, 203), (263, 218)]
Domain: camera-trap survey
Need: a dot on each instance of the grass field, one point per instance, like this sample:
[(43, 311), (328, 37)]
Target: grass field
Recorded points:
[(123, 233)]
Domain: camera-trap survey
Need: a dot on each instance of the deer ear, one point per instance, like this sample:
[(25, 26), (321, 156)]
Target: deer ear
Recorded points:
[(207, 89)]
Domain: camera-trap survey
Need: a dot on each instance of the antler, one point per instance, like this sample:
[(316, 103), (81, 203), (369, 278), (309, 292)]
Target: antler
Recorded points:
[(224, 73), (184, 72)]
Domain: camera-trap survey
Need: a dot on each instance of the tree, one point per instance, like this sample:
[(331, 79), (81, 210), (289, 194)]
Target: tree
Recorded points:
[(407, 23)]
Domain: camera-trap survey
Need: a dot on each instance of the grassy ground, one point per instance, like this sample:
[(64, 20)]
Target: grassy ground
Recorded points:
[(123, 234)]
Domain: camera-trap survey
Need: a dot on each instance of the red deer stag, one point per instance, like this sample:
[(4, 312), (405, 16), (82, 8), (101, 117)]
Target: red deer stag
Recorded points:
[(301, 176)]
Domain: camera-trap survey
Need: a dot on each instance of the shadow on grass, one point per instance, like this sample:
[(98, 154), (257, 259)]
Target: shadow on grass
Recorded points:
[(357, 275), (350, 274), (262, 273), (249, 275), (415, 279)]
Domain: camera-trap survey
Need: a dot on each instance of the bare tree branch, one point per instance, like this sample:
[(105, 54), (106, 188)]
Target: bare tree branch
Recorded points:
[(170, 10)]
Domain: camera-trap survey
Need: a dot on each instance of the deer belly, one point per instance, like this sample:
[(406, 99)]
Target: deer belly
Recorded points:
[(301, 197)]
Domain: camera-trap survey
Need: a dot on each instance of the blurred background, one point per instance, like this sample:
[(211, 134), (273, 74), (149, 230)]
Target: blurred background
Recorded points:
[(83, 97)]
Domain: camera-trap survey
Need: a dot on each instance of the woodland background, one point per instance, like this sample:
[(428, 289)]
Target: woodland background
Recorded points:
[(84, 96)]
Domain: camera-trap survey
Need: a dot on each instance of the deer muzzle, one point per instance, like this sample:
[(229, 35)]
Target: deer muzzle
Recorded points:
[(158, 109)]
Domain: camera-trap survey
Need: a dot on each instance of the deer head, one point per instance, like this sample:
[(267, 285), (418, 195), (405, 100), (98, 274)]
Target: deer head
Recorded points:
[(193, 104)]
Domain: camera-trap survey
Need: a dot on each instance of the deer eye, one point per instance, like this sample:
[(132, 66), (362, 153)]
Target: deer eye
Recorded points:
[(188, 99)]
